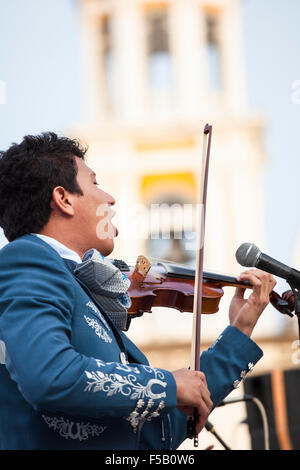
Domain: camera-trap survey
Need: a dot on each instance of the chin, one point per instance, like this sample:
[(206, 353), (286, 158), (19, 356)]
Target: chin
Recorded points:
[(106, 247)]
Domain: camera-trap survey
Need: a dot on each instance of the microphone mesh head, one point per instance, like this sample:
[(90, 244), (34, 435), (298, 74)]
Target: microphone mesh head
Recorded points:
[(247, 254)]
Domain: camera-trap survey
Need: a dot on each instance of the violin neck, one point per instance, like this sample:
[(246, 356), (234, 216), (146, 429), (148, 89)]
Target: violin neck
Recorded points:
[(185, 272), (225, 280)]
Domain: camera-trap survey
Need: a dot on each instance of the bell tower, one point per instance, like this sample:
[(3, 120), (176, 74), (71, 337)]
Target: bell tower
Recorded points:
[(154, 73)]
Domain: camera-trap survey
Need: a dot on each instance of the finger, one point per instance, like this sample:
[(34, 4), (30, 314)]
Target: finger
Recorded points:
[(202, 377), (256, 282), (203, 414), (265, 277), (205, 391), (246, 272), (205, 395), (207, 402), (260, 295), (262, 282), (249, 275), (239, 292), (200, 416)]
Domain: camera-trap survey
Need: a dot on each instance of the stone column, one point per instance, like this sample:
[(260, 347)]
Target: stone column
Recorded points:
[(94, 102), (232, 58), (187, 47), (130, 58)]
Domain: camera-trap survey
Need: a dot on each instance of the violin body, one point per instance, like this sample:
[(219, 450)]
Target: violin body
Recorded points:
[(160, 289)]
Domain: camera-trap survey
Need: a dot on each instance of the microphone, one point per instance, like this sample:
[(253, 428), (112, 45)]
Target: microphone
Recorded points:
[(249, 255)]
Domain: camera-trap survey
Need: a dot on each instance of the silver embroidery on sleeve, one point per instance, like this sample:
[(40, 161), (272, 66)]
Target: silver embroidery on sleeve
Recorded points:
[(130, 368), (136, 418), (73, 430), (114, 383), (99, 330), (236, 383), (111, 384)]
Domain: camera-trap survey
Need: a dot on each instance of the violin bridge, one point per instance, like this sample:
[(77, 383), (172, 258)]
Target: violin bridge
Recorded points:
[(142, 266)]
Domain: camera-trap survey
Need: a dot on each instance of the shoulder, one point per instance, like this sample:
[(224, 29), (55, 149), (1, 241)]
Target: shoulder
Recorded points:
[(28, 248), (30, 263)]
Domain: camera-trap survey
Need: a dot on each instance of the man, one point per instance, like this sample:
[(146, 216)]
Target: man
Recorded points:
[(70, 378)]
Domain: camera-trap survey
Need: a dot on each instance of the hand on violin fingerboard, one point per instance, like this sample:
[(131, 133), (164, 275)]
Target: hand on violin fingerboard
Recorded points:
[(192, 393), (244, 313)]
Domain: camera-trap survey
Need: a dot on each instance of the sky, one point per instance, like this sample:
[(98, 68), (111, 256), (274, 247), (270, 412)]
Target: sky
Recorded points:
[(40, 66), (40, 63), (272, 59)]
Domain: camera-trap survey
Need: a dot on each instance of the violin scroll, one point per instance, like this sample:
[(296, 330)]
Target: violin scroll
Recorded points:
[(289, 298)]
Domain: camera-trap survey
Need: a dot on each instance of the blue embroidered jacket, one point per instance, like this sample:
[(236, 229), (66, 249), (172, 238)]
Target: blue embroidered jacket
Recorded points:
[(70, 380)]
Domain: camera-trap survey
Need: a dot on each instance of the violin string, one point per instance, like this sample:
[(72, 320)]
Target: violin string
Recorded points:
[(168, 261)]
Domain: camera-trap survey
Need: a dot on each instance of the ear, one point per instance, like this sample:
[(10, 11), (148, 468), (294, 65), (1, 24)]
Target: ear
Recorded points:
[(62, 200)]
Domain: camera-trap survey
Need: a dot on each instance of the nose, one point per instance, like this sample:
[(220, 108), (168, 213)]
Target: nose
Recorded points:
[(110, 200)]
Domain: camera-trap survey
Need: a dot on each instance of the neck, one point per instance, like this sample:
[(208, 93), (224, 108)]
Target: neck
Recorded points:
[(67, 239)]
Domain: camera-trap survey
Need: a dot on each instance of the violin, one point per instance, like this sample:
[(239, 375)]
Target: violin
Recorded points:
[(164, 284)]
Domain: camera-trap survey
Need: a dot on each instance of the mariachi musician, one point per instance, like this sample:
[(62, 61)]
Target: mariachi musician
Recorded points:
[(70, 378)]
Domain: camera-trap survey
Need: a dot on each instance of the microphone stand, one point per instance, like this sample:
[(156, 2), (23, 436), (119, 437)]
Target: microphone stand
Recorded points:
[(210, 428)]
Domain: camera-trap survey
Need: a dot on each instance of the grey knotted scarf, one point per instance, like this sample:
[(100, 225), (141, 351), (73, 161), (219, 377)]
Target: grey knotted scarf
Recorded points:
[(108, 285)]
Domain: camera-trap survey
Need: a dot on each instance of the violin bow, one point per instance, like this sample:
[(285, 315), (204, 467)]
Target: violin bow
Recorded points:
[(197, 306)]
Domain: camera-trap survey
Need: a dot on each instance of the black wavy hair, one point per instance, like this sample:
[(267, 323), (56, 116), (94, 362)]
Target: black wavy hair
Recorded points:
[(29, 172)]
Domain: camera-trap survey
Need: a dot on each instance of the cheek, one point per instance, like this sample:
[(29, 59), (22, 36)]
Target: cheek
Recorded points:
[(94, 204)]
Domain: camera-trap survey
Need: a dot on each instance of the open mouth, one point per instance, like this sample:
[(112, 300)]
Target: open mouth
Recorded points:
[(105, 228), (116, 231)]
